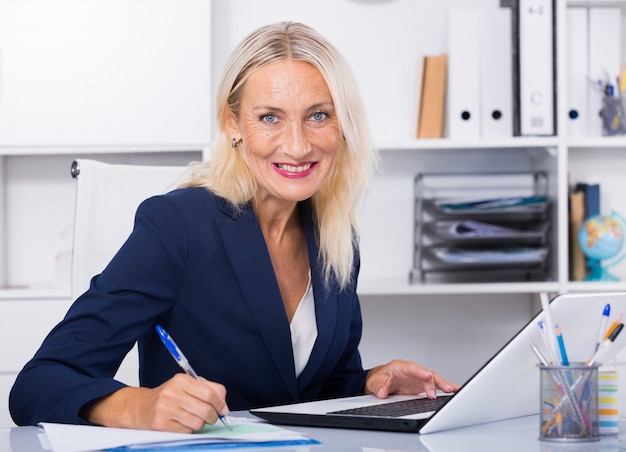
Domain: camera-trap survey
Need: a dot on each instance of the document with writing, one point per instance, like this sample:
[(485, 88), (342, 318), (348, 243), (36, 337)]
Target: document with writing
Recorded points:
[(78, 438)]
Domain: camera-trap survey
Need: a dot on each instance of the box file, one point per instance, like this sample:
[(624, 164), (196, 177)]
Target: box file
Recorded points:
[(480, 93), (464, 49), (578, 86), (497, 74), (419, 80), (536, 67), (512, 5)]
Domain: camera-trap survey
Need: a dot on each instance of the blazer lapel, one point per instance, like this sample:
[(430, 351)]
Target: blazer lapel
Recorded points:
[(325, 302), (250, 259)]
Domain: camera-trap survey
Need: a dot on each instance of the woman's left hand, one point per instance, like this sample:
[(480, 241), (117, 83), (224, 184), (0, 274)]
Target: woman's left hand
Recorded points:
[(406, 377)]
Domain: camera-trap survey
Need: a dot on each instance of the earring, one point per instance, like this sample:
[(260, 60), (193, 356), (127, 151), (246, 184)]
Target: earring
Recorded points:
[(233, 143)]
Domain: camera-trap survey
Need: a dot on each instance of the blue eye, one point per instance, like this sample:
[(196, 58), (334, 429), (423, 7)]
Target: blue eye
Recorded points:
[(269, 118), (319, 116)]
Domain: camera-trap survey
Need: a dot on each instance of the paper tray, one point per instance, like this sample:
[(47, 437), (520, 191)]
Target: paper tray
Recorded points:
[(459, 258), (511, 209), (475, 232)]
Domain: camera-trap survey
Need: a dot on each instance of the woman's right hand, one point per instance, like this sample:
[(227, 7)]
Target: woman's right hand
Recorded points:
[(181, 404)]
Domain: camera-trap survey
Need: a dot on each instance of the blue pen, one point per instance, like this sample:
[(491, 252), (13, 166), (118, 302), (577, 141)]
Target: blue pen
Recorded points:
[(183, 363), (559, 338), (606, 313), (546, 341)]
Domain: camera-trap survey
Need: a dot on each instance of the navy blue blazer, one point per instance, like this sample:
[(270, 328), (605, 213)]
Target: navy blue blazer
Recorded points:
[(201, 269)]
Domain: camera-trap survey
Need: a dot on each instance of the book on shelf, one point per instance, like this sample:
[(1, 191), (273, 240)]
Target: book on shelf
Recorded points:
[(591, 197), (576, 218), (584, 204), (433, 97)]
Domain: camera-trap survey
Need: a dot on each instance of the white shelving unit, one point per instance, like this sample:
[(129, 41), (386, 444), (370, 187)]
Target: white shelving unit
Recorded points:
[(385, 267)]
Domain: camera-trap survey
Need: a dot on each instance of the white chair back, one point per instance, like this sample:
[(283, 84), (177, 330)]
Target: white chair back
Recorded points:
[(107, 197)]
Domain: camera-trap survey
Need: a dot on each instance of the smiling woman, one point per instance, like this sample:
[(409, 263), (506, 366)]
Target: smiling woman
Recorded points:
[(229, 175), (288, 132), (252, 264)]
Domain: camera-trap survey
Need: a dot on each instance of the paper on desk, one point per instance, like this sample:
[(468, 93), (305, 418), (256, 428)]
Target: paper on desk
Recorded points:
[(81, 438)]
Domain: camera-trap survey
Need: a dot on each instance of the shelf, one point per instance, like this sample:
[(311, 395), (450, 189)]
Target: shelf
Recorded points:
[(73, 150), (597, 3), (402, 287), (390, 287), (614, 142), (35, 293), (617, 142), (578, 286), (446, 143)]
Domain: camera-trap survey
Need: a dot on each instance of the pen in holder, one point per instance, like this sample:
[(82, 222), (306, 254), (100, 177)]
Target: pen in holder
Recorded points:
[(569, 403), (613, 115)]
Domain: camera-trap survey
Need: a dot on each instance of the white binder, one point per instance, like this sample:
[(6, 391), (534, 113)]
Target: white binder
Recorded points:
[(604, 58), (496, 74), (419, 82), (536, 66), (463, 97), (578, 86)]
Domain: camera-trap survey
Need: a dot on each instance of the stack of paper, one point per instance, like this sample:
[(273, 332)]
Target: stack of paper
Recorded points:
[(246, 432)]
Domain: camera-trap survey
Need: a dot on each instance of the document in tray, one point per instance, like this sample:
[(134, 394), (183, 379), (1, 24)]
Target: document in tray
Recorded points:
[(78, 438), (499, 256), (495, 203), (465, 229)]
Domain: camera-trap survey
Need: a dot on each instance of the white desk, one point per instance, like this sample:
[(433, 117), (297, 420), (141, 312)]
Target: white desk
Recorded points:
[(516, 435)]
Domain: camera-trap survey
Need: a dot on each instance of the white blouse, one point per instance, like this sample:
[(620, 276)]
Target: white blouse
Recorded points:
[(303, 329)]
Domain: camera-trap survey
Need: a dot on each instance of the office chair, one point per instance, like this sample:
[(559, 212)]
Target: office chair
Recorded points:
[(107, 196)]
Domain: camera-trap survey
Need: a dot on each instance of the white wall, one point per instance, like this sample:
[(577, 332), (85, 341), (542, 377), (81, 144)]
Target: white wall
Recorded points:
[(454, 334)]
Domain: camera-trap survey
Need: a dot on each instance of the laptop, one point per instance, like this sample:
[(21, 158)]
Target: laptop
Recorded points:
[(506, 387)]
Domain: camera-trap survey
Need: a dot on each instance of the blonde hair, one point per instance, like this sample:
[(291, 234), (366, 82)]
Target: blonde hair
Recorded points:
[(336, 203)]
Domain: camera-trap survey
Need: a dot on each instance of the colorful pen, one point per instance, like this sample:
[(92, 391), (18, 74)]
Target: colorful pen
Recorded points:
[(606, 344), (177, 354), (559, 338), (542, 359), (549, 324), (612, 327), (546, 341)]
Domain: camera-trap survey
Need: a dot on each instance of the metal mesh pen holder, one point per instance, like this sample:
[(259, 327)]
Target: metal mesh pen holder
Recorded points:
[(613, 115), (569, 403)]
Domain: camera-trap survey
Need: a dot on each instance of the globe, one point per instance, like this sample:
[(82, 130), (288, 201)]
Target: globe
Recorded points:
[(601, 238)]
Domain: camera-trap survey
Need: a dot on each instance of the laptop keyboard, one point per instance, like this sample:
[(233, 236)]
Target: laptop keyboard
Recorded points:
[(397, 409)]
